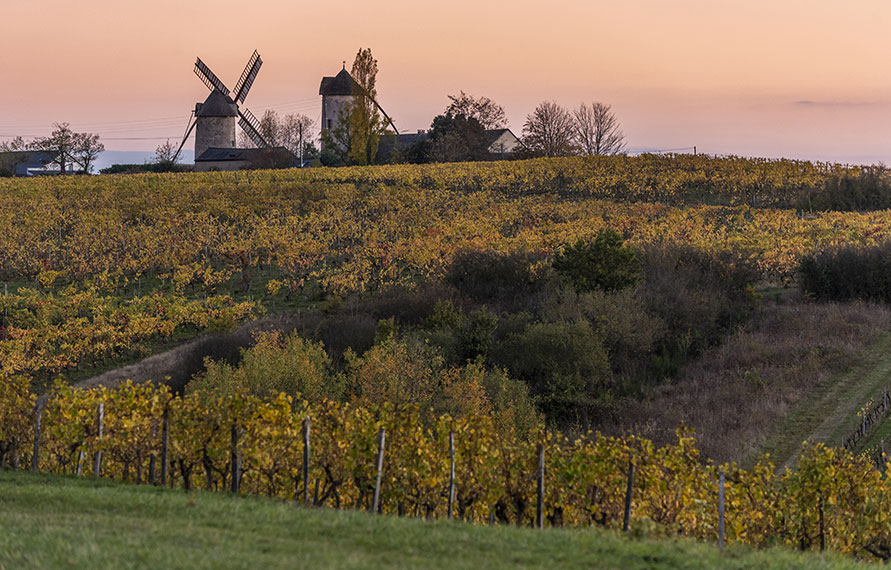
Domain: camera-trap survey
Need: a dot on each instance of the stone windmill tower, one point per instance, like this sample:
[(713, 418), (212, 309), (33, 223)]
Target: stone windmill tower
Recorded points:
[(337, 93), (215, 119), (215, 123)]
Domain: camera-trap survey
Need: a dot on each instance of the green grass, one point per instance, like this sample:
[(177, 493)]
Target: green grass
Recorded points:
[(830, 411), (60, 522)]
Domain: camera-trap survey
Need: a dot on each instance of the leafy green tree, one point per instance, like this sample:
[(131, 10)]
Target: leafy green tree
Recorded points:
[(356, 136), (457, 138), (488, 113), (603, 263)]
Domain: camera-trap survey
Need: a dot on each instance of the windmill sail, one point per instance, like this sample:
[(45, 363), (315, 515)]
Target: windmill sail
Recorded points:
[(250, 125), (207, 76), (247, 77)]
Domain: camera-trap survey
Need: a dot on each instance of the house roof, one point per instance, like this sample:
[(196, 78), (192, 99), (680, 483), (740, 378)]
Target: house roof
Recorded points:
[(218, 105), (341, 84), (226, 154), (493, 135), (26, 160), (239, 154)]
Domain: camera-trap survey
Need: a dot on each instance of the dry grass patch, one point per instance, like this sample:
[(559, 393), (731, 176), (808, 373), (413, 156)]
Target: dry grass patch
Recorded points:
[(741, 394)]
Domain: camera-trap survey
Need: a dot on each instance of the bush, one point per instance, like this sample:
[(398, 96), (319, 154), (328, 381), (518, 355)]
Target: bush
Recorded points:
[(274, 364), (565, 366), (603, 263), (848, 273), (621, 319), (698, 296), (863, 188), (491, 277)]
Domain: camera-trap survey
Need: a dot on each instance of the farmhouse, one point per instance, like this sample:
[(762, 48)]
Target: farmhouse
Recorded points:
[(29, 162), (502, 144), (244, 158)]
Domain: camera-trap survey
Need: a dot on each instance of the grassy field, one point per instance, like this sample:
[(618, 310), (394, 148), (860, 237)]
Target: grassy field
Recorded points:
[(830, 412), (54, 522)]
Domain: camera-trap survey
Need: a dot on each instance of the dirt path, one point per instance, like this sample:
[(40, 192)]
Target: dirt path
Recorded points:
[(176, 366), (830, 413)]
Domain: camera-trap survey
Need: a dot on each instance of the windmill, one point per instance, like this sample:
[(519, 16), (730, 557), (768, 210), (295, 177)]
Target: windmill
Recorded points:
[(214, 120)]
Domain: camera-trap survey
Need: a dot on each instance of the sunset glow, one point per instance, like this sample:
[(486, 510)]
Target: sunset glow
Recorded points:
[(791, 78)]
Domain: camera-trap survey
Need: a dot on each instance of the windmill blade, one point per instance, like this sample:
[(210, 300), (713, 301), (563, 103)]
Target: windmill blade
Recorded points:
[(247, 77), (384, 113), (250, 125), (189, 130), (207, 76)]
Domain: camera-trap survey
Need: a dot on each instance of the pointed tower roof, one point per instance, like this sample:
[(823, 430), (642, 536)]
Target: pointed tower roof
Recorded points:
[(341, 84), (218, 105)]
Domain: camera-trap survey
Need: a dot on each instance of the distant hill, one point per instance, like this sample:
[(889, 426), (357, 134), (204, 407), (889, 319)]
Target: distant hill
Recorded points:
[(110, 157)]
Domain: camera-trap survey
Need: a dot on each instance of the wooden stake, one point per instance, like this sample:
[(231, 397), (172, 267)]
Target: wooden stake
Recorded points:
[(627, 520), (235, 460), (721, 509), (38, 416), (306, 425), (382, 436), (165, 446), (451, 472), (539, 505), (97, 464)]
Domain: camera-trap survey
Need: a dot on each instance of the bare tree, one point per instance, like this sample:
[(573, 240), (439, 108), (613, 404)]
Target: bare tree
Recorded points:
[(296, 131), (71, 147), (489, 113), (597, 130), (549, 131), (86, 150), (292, 132)]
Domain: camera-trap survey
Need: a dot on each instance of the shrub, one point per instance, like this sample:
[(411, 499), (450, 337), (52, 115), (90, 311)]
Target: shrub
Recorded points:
[(621, 319), (698, 296), (603, 263), (274, 364), (847, 273), (565, 366), (488, 277)]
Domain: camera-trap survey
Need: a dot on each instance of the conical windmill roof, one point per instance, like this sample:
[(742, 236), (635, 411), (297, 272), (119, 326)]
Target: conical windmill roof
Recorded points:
[(341, 84), (218, 105)]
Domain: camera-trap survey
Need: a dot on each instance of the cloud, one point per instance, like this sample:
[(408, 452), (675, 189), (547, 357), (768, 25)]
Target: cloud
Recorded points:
[(808, 103)]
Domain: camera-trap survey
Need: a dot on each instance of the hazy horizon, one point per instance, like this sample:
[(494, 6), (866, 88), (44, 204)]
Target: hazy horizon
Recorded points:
[(790, 79)]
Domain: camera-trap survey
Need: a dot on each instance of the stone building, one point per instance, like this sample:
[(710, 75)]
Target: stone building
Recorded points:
[(215, 121), (337, 92)]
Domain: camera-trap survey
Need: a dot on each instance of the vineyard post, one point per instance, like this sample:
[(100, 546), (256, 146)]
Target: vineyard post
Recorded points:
[(539, 504), (38, 416), (80, 462), (627, 520), (306, 425), (165, 447), (382, 436), (451, 472), (235, 460), (97, 464), (721, 509), (151, 473)]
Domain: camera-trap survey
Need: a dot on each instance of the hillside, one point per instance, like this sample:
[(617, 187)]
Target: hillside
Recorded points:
[(62, 522)]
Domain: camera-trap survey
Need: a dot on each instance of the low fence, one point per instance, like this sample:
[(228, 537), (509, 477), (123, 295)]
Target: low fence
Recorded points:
[(871, 416), (411, 462)]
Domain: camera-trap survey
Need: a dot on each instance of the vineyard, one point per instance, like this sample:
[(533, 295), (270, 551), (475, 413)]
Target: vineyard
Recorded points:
[(99, 268), (449, 310), (146, 435)]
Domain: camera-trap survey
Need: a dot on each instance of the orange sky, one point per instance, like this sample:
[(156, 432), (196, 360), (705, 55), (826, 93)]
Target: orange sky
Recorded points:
[(761, 78)]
